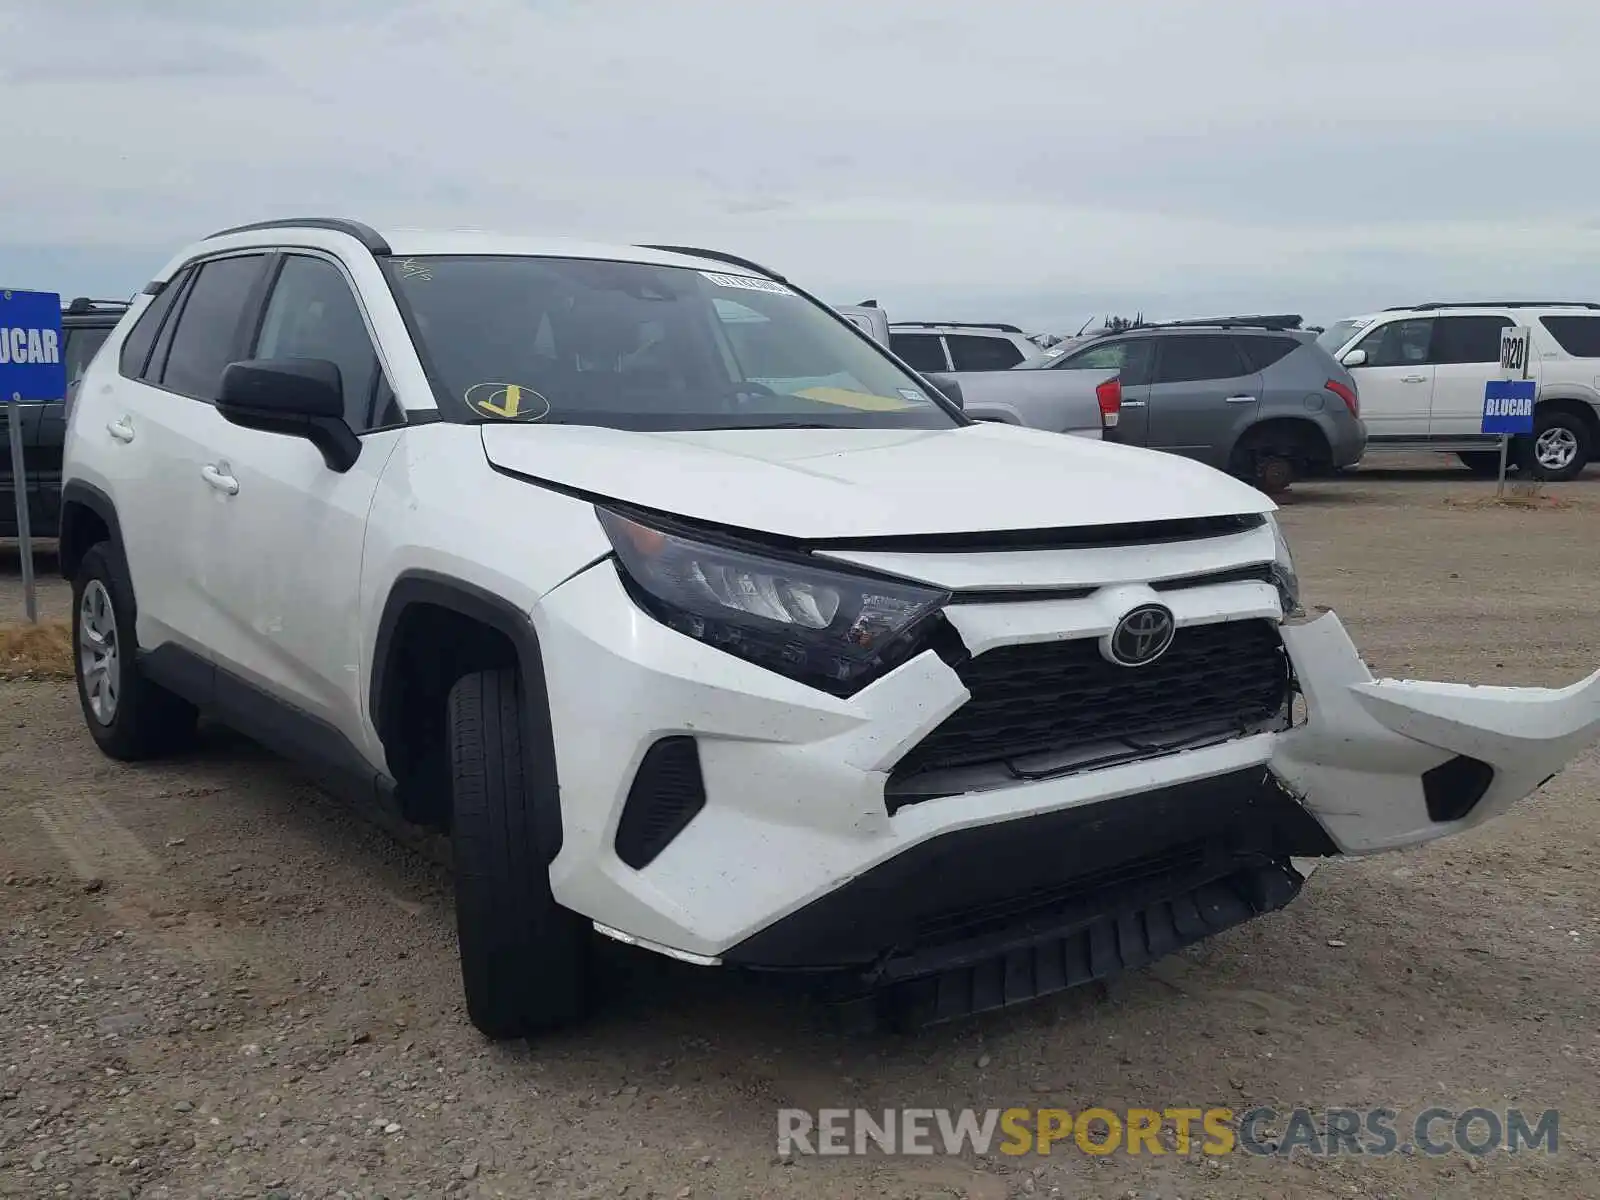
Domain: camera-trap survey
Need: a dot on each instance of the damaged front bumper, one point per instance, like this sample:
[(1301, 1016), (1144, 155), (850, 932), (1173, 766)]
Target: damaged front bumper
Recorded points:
[(1388, 763)]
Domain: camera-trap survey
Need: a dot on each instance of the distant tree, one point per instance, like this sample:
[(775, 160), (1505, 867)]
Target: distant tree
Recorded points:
[(1118, 324)]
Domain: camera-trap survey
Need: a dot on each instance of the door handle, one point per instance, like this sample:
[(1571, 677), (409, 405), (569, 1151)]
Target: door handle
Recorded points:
[(1413, 379), (218, 478), (1133, 404), (121, 430), (1241, 400)]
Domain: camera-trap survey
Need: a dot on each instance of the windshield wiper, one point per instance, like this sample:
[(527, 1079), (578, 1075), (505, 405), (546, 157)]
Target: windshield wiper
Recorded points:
[(791, 425)]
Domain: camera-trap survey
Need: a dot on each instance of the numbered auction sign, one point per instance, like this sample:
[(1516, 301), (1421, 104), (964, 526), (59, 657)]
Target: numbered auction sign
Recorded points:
[(1514, 352)]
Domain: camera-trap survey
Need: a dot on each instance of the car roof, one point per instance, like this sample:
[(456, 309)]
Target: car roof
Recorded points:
[(408, 242)]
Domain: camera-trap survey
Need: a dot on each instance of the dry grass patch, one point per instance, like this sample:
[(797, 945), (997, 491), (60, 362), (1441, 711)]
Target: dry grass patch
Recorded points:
[(41, 651)]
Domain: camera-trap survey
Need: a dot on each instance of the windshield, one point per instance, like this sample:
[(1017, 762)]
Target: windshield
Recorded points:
[(1335, 336), (630, 346)]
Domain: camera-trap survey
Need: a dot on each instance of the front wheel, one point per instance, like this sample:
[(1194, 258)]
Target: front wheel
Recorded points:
[(524, 958), (1560, 447)]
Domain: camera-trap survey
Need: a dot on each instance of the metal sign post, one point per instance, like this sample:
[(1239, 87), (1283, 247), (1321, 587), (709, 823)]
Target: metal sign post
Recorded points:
[(19, 483), (1508, 401), (33, 368)]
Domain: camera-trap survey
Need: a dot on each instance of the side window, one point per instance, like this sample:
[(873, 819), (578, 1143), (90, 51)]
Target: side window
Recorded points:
[(313, 314), (82, 343), (1399, 343), (974, 352), (1261, 352), (922, 351), (1467, 339), (141, 338), (1190, 358), (1130, 356), (208, 334)]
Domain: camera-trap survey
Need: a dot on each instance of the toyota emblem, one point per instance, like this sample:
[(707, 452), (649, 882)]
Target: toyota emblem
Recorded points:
[(1141, 637)]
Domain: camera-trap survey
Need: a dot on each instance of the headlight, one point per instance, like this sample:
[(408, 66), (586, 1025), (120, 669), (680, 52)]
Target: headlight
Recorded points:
[(830, 629), (1283, 572)]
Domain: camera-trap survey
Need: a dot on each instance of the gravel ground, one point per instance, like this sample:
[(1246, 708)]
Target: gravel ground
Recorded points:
[(214, 981)]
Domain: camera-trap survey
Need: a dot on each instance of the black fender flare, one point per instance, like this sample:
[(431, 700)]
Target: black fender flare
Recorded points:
[(415, 587), (76, 494)]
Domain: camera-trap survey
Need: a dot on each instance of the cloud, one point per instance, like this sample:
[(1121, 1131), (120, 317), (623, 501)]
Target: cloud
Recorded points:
[(932, 153)]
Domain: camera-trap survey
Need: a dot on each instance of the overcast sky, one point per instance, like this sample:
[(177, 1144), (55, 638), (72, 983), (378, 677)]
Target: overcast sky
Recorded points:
[(1035, 162)]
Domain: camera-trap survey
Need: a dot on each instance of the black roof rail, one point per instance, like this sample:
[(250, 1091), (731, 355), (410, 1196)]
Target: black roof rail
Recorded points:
[(365, 234), (733, 260), (82, 304), (1434, 305), (1000, 325), (1279, 322)]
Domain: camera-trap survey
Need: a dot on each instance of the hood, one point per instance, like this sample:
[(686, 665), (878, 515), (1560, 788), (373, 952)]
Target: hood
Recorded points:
[(823, 484)]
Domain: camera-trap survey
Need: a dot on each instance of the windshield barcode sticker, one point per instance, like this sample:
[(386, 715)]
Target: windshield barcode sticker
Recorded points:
[(748, 283)]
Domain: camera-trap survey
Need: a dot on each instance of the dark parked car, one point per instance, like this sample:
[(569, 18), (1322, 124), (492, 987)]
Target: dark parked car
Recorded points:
[(1255, 396), (85, 324)]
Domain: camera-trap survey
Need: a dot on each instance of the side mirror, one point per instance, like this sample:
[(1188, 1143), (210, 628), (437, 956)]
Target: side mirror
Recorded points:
[(297, 397), (947, 387), (1356, 358)]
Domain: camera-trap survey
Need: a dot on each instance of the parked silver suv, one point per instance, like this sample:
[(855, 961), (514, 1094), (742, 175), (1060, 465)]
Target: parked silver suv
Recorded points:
[(1255, 396)]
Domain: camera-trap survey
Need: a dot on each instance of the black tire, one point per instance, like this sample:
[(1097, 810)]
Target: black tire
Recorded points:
[(1567, 426), (145, 720), (1262, 465), (524, 958), (1482, 462)]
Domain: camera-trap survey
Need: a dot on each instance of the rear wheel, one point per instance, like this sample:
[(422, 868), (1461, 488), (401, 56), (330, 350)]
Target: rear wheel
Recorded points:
[(524, 958), (129, 717), (1560, 447)]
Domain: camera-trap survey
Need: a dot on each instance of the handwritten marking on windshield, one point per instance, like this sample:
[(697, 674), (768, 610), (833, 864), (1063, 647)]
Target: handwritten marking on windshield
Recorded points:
[(507, 401)]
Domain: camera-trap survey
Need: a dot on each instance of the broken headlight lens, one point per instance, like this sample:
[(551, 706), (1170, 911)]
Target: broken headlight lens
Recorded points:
[(828, 628), (1283, 572)]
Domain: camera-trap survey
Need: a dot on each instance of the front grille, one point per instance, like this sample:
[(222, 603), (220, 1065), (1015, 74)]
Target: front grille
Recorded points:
[(1057, 697)]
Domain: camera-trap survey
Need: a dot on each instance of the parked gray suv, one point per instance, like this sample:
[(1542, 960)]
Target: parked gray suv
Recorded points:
[(1254, 396)]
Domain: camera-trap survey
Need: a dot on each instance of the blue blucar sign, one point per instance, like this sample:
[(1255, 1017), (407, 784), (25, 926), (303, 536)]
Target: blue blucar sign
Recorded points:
[(1508, 406), (33, 367)]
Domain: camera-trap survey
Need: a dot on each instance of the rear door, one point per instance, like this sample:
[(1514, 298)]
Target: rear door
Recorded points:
[(161, 421), (1133, 358), (1465, 353), (1203, 393), (1396, 381)]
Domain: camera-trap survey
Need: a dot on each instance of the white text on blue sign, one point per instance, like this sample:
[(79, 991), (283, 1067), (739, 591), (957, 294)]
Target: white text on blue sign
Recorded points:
[(33, 346)]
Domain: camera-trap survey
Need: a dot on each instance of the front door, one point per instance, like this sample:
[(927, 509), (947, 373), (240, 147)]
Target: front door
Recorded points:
[(1396, 380), (1203, 394), (1133, 358), (283, 533)]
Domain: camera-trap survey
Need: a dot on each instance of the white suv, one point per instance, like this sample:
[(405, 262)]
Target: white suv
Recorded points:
[(1421, 371), (700, 623), (957, 346)]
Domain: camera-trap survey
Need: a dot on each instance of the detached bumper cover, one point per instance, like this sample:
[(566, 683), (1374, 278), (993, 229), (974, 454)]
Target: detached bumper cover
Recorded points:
[(1359, 760)]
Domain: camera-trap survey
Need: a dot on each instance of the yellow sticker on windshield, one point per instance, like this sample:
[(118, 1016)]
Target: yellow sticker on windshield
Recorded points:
[(865, 401), (508, 401)]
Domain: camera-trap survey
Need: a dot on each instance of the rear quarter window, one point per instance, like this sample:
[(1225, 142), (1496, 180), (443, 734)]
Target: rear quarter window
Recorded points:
[(1261, 352), (1578, 336)]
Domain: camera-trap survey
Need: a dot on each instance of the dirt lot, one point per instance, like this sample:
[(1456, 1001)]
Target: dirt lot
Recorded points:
[(216, 982)]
